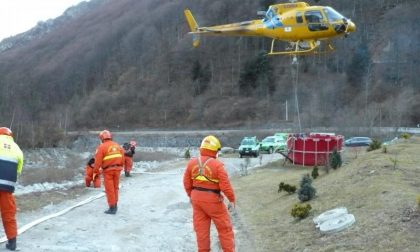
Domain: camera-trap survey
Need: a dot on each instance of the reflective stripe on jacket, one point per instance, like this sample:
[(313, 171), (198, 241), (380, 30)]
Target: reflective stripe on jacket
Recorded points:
[(11, 163), (109, 155), (212, 177), (202, 172)]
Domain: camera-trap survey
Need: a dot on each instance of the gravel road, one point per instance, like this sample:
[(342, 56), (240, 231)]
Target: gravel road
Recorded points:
[(154, 214)]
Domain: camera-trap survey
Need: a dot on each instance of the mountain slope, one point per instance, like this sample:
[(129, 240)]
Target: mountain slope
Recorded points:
[(130, 64)]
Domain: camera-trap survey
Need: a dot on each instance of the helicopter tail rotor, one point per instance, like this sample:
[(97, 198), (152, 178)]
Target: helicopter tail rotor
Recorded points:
[(193, 26)]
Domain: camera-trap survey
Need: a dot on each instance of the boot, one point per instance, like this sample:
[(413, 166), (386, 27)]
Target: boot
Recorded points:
[(127, 174), (111, 210), (11, 244)]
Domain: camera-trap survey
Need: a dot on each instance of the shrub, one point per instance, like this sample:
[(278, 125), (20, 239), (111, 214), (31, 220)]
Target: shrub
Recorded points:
[(300, 211), (286, 187), (384, 149), (187, 154), (315, 173), (306, 191), (305, 180), (405, 136), (335, 160), (376, 144)]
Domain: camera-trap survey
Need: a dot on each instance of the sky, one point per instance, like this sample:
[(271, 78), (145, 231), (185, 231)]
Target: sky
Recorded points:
[(17, 16)]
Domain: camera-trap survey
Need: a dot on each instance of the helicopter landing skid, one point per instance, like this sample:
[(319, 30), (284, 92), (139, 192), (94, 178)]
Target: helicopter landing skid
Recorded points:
[(301, 48)]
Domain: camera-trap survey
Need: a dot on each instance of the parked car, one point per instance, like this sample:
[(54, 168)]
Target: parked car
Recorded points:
[(283, 136), (250, 146), (272, 144), (358, 141)]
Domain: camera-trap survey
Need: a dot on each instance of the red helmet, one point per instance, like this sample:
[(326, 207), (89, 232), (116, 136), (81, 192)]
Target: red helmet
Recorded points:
[(105, 134), (6, 131), (133, 143)]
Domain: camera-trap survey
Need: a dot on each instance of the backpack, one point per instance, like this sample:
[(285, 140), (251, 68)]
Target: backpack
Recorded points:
[(128, 149), (91, 162)]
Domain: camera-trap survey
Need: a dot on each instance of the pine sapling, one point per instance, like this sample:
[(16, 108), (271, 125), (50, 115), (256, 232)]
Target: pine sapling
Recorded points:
[(306, 191), (335, 160), (315, 173)]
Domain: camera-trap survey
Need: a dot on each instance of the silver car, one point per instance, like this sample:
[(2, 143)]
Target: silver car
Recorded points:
[(358, 141)]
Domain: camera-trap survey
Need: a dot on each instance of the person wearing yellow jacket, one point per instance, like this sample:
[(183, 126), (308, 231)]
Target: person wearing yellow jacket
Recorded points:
[(11, 162)]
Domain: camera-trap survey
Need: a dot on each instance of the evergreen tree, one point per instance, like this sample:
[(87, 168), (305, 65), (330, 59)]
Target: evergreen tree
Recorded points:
[(306, 191), (335, 160), (315, 172), (257, 75), (358, 67), (201, 77)]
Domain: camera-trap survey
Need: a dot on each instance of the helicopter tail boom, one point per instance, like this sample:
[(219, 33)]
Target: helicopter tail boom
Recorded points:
[(193, 26)]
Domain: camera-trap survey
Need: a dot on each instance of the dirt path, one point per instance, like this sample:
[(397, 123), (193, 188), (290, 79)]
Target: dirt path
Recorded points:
[(154, 214)]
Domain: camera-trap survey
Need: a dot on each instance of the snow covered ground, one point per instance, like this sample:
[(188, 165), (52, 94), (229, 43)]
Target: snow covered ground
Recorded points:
[(154, 214)]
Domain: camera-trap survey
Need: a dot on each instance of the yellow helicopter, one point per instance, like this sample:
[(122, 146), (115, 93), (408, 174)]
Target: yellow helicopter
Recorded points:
[(302, 26)]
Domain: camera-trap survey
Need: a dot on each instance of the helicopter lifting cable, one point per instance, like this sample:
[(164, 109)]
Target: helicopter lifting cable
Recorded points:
[(295, 72)]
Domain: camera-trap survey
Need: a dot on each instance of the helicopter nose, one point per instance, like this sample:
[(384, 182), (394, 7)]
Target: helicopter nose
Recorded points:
[(351, 27)]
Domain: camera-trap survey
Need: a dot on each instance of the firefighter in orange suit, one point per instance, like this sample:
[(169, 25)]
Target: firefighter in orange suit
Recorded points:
[(204, 180), (89, 174), (11, 162), (110, 157), (129, 150)]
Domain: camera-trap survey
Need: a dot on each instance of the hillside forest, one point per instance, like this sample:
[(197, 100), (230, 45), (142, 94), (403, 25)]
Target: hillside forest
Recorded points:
[(130, 64)]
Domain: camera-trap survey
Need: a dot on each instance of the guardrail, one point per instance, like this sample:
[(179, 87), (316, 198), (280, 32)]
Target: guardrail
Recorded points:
[(227, 131)]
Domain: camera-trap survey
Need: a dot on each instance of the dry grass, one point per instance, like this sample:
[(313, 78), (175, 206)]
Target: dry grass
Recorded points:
[(34, 201), (50, 174), (381, 197)]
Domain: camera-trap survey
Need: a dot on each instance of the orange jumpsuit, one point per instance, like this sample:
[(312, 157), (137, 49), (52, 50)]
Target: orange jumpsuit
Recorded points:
[(129, 153), (207, 201), (11, 162), (128, 164), (110, 156), (8, 213), (89, 177)]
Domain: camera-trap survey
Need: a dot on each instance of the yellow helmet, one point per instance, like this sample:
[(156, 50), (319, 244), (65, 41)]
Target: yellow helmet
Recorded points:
[(211, 143)]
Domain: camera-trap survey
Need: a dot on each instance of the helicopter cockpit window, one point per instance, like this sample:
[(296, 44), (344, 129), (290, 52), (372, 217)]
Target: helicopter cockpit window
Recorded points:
[(299, 17), (315, 21), (332, 15), (270, 14)]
